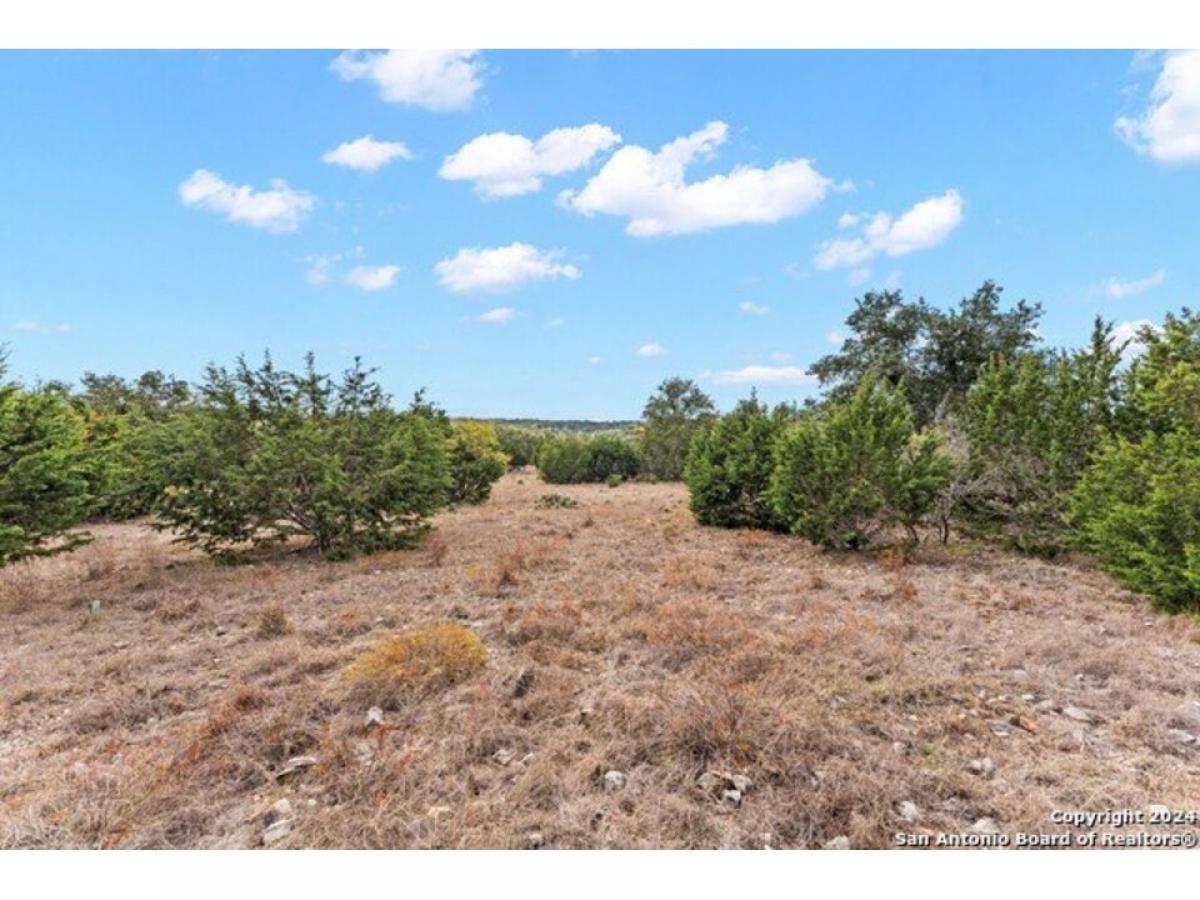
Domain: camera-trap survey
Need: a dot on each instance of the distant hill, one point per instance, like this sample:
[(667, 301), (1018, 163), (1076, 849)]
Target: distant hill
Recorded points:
[(583, 426)]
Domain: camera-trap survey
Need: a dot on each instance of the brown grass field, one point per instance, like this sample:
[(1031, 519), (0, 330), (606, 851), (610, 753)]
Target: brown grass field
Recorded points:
[(750, 690)]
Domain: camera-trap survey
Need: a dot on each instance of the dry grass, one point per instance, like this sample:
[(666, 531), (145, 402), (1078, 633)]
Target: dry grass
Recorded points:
[(149, 698), (396, 668)]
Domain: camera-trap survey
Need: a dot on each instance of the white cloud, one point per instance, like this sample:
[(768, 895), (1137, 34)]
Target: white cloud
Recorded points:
[(849, 220), (761, 375), (858, 276), (500, 164), (434, 79), (317, 269), (1117, 289), (650, 350), (31, 326), (556, 323), (1128, 331), (835, 337), (1169, 128), (594, 360), (372, 278), (277, 209), (366, 154), (501, 268), (650, 188), (924, 225), (753, 309), (500, 315), (781, 357)]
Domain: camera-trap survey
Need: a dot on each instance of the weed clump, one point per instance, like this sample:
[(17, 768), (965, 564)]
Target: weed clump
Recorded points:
[(556, 501), (273, 622), (422, 659)]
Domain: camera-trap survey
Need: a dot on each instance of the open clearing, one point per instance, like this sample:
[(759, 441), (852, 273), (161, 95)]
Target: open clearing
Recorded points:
[(150, 698)]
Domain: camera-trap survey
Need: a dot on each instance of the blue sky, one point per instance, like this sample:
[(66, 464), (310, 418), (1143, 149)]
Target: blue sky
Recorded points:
[(164, 210)]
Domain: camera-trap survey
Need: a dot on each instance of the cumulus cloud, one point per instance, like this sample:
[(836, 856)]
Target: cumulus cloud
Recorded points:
[(650, 350), (835, 337), (501, 268), (439, 80), (1169, 128), (761, 375), (499, 316), (924, 225), (372, 278), (278, 209), (1129, 331), (594, 360), (651, 190), (366, 154), (1116, 288), (500, 164), (753, 309)]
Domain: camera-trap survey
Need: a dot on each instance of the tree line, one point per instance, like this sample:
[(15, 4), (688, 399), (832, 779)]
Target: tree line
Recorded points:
[(929, 422)]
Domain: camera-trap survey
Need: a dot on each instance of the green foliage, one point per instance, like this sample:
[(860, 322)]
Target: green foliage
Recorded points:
[(1031, 425), (129, 425), (574, 460), (556, 501), (269, 454), (476, 461), (615, 480), (1137, 507), (520, 444), (45, 474), (670, 420), (936, 355), (729, 467), (845, 475), (1163, 385), (152, 395)]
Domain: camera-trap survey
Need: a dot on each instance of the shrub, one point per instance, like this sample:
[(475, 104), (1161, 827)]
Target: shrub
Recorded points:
[(670, 420), (843, 476), (476, 461), (135, 457), (46, 474), (521, 445), (1137, 506), (268, 455), (422, 659), (729, 467), (1031, 425), (614, 480), (609, 455), (563, 460), (556, 501), (574, 460)]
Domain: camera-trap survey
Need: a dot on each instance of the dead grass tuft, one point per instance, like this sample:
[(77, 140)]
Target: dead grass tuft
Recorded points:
[(273, 622), (510, 569), (688, 572), (415, 661)]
